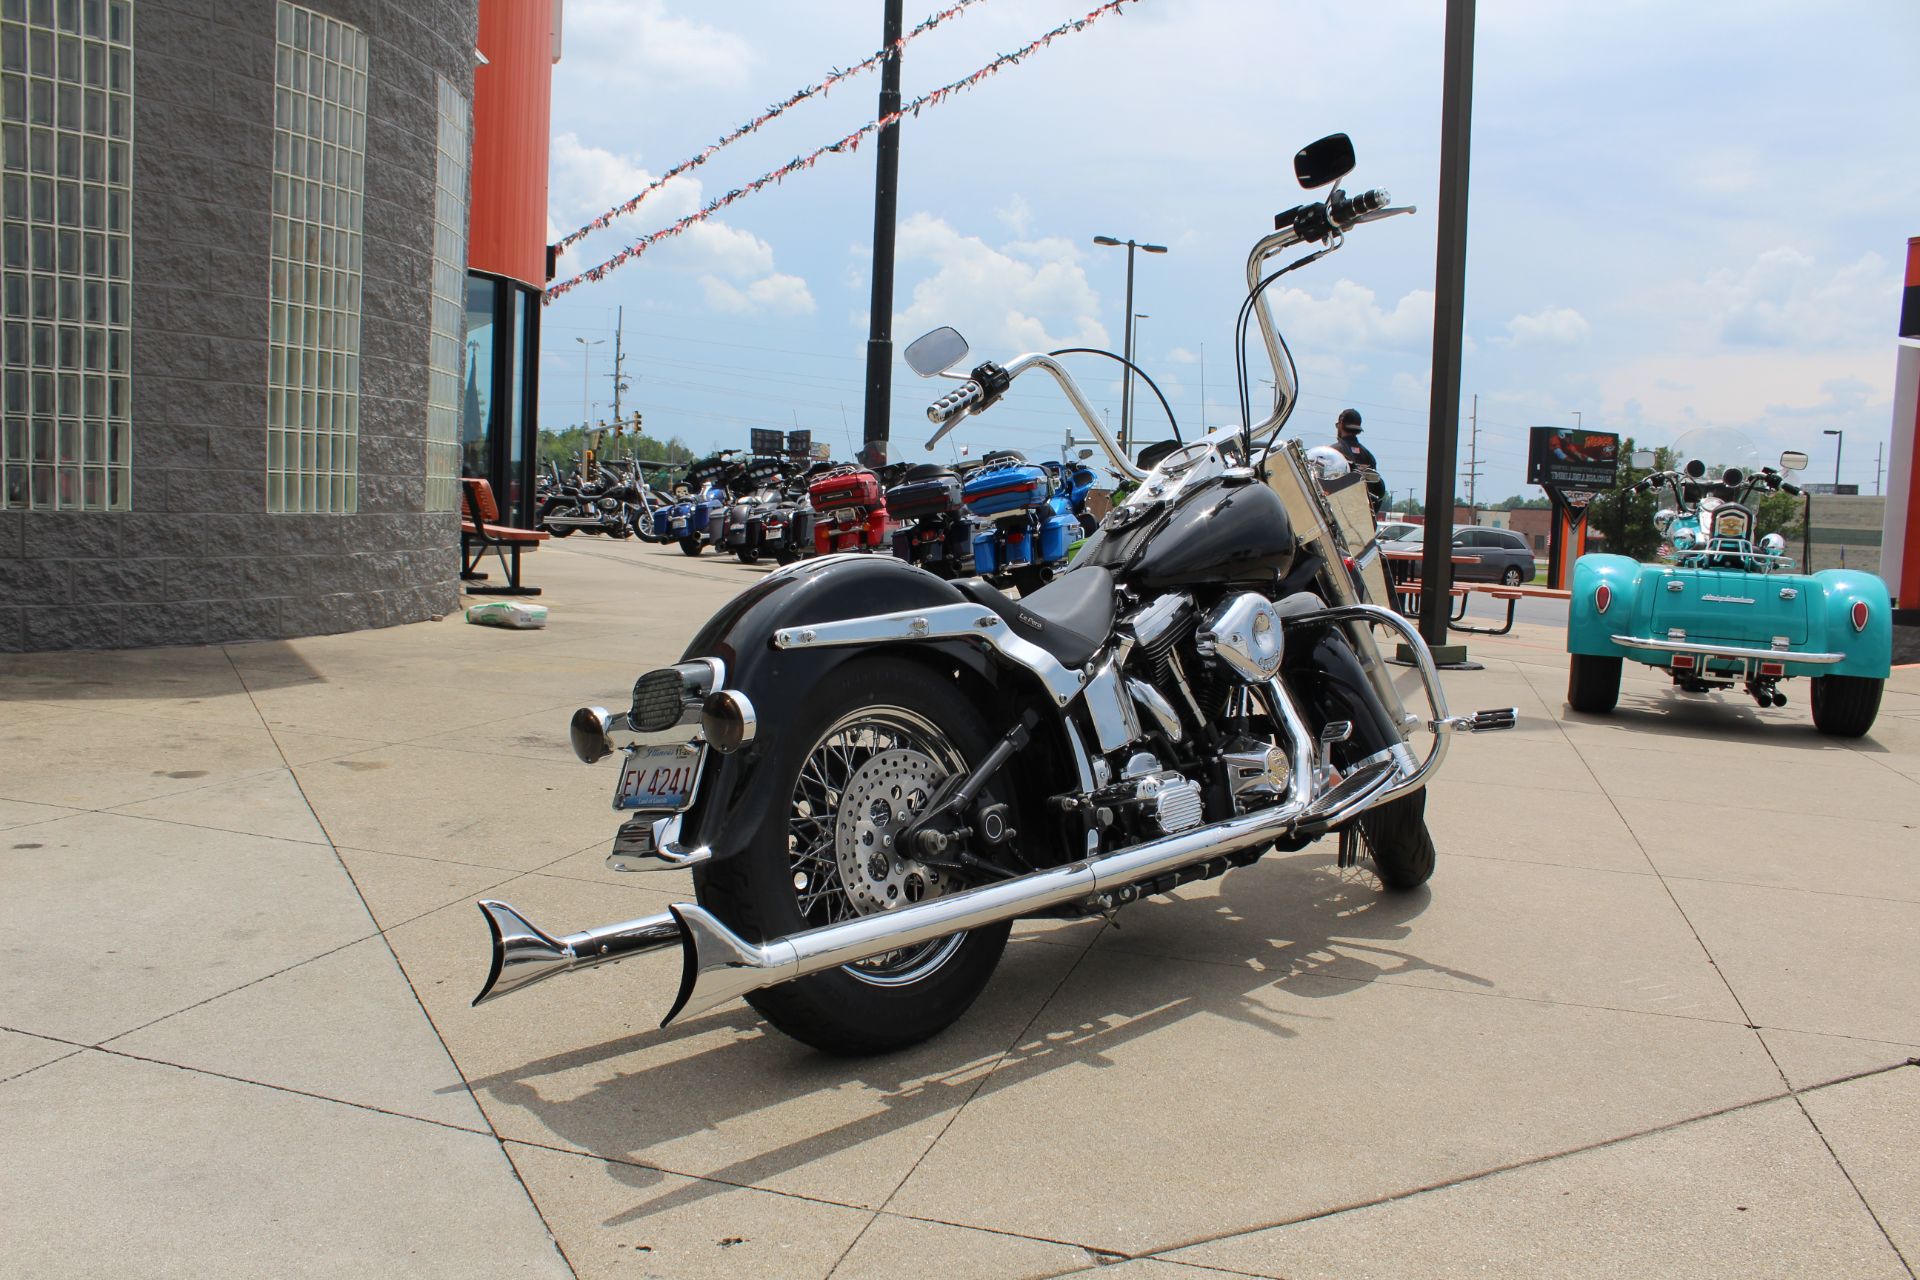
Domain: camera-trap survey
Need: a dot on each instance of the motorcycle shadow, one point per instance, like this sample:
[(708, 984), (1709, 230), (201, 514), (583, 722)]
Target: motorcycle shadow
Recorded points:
[(727, 1083)]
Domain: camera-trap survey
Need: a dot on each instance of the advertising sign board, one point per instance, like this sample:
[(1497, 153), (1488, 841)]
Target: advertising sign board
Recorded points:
[(1561, 459)]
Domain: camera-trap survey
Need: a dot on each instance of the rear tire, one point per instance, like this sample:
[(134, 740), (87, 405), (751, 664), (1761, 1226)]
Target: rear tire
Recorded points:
[(897, 1000), (1511, 575), (1403, 852), (1593, 684), (692, 546), (1845, 706), (747, 555)]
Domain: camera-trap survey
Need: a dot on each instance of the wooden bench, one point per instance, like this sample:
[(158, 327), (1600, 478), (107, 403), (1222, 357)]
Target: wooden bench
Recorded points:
[(481, 531), (1512, 595)]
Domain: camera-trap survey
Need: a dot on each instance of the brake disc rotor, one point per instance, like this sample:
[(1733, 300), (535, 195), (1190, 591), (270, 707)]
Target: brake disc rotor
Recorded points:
[(881, 798)]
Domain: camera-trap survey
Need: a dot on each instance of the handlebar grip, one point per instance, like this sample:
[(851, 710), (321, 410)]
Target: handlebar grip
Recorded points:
[(1788, 487), (1345, 209), (955, 401)]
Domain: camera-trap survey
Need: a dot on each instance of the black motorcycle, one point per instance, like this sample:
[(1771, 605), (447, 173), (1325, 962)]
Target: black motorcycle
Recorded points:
[(873, 771)]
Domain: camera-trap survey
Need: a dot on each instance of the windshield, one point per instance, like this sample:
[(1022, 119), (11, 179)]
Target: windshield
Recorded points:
[(1718, 448)]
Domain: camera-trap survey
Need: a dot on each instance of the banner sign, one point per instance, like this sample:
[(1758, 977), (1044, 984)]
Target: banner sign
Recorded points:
[(767, 443), (1561, 459)]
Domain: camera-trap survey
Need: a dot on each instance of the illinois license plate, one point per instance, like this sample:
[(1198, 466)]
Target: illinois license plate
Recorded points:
[(659, 777)]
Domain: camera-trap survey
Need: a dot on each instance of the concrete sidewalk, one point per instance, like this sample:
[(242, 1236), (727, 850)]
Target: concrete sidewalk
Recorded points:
[(1655, 1015)]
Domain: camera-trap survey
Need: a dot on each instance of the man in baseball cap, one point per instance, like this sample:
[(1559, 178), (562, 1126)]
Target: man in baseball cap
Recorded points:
[(1346, 429)]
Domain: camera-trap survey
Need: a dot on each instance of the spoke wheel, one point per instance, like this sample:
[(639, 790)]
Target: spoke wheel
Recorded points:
[(816, 833), (862, 782)]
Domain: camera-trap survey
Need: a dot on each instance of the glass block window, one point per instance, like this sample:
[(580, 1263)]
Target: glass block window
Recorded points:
[(449, 327), (66, 192), (313, 338)]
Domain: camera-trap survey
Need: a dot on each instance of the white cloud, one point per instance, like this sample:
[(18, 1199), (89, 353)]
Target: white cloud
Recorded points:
[(639, 39), (714, 246), (1016, 214), (1030, 296), (1548, 327), (1349, 317), (586, 181), (773, 295), (1180, 355), (1784, 298)]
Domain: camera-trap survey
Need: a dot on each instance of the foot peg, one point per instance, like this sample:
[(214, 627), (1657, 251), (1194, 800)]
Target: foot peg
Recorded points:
[(1479, 721)]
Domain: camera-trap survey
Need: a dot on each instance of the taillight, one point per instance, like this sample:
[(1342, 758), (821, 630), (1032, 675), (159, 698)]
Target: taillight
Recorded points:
[(1772, 670), (1602, 597), (1859, 615), (1683, 662)]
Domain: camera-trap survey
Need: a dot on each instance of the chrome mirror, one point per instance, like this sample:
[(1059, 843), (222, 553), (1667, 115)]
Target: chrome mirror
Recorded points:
[(936, 352), (1641, 459), (1793, 460)]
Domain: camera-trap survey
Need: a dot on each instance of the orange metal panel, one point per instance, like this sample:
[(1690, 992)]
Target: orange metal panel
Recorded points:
[(512, 113)]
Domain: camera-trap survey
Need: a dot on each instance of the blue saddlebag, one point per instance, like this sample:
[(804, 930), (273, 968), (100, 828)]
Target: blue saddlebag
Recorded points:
[(984, 558), (1055, 534), (993, 491)]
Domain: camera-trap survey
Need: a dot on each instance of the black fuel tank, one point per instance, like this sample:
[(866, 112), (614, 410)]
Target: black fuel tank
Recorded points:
[(1226, 533)]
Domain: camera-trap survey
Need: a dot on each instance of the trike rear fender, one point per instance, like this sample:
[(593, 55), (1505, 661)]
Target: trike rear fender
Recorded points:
[(1628, 611)]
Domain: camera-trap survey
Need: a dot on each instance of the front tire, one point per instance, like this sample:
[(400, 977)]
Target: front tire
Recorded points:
[(884, 732), (1403, 852), (1845, 706), (1593, 684)]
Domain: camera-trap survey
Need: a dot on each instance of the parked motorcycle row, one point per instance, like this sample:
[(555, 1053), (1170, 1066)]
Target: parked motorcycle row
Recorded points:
[(1004, 518)]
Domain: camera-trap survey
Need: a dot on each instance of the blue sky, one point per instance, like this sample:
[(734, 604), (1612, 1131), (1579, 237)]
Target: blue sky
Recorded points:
[(1681, 215)]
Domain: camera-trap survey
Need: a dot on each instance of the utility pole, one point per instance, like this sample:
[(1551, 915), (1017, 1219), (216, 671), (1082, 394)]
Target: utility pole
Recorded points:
[(619, 358), (1203, 392), (1879, 451), (1473, 463), (1126, 380), (886, 189)]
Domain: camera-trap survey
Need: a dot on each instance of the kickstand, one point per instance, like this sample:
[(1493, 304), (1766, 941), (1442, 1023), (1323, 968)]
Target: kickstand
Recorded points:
[(1353, 842)]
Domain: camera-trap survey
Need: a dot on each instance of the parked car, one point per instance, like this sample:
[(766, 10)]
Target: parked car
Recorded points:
[(1503, 554), (1394, 530)]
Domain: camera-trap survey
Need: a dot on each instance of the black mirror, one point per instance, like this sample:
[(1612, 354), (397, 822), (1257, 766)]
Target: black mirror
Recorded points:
[(1327, 161), (1641, 459)]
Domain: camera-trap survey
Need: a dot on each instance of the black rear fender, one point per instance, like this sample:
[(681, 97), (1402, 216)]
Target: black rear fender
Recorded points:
[(779, 682)]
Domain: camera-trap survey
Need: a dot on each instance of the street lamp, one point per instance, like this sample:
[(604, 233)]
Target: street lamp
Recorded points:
[(1126, 385), (586, 356), (1837, 446)]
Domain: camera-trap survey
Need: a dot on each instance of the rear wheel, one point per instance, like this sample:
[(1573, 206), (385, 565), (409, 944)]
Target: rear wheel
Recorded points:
[(1511, 576), (555, 507), (1403, 852), (692, 546), (1845, 706), (866, 751), (1593, 684), (747, 555)]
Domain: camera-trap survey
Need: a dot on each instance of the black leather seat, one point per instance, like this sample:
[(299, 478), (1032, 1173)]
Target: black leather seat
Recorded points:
[(1070, 617)]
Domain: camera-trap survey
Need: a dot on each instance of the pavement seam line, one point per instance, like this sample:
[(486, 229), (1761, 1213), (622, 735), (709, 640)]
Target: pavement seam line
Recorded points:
[(285, 1088), (552, 1238), (1847, 1173), (221, 995), (1516, 1165), (998, 1060)]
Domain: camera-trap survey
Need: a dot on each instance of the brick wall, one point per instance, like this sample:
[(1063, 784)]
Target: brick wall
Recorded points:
[(198, 559)]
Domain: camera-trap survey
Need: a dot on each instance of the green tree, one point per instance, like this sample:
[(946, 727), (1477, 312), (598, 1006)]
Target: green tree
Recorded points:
[(1623, 519)]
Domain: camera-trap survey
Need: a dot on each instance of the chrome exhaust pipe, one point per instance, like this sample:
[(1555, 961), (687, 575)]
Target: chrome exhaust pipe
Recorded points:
[(718, 965), (524, 953)]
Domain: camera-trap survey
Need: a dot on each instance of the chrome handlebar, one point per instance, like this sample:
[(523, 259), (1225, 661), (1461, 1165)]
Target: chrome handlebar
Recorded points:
[(1369, 206)]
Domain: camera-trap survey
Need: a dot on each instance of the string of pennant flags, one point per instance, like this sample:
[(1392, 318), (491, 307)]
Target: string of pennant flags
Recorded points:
[(772, 113), (845, 146)]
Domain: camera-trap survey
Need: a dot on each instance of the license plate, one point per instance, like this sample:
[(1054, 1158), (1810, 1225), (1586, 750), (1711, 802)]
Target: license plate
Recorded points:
[(659, 777), (679, 524)]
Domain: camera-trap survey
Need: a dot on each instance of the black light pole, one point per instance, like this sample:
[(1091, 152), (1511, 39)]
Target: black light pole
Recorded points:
[(1126, 382), (1837, 446), (1449, 290), (886, 186)]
